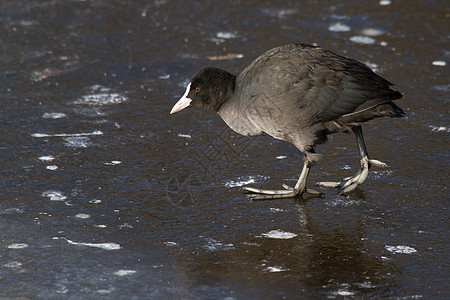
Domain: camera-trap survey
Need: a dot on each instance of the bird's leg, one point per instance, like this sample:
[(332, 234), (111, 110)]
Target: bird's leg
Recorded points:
[(288, 192), (350, 183)]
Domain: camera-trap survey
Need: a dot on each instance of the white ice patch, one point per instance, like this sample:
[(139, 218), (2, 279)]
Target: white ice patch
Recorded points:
[(281, 156), (439, 63), (272, 209), (77, 142), (214, 245), (275, 269), (226, 35), (13, 264), (82, 216), (385, 2), (187, 136), (372, 31), (243, 181), (170, 244), (342, 292), (82, 134), (102, 99), (95, 201), (400, 249), (104, 246), (99, 88), (279, 234), (46, 158), (17, 246), (439, 128), (113, 163), (54, 115), (124, 272), (54, 195), (164, 77), (362, 40), (339, 27), (52, 167)]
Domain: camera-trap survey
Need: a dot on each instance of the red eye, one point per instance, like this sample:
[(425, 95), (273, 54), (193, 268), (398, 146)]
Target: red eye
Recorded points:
[(197, 89)]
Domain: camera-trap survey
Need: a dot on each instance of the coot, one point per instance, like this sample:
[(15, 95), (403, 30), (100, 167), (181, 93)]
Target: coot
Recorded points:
[(300, 94)]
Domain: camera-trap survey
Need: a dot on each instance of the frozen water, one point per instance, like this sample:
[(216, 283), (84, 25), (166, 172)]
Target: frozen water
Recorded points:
[(279, 234), (243, 181), (362, 40), (102, 99), (339, 27), (400, 249), (276, 269), (226, 35), (46, 158), (439, 63), (54, 115), (77, 142), (104, 246), (125, 272), (17, 246), (54, 195)]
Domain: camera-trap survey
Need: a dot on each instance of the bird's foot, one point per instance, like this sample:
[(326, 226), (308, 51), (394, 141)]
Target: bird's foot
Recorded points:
[(288, 192), (348, 184)]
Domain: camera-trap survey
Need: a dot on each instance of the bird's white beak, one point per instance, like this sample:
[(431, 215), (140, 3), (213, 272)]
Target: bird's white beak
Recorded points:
[(183, 102)]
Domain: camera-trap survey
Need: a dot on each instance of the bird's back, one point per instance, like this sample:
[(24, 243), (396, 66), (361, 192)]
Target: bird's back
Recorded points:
[(296, 89)]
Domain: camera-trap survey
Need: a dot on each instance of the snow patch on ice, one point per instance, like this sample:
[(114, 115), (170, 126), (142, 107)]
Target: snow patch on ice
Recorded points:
[(17, 246), (339, 27), (104, 246), (102, 99), (400, 249), (53, 115), (124, 272), (54, 195), (362, 40), (46, 158), (279, 234), (276, 269), (243, 181)]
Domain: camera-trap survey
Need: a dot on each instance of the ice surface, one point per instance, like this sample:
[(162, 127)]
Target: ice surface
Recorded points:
[(104, 246), (339, 27), (54, 115), (362, 40), (400, 249), (124, 272), (41, 135), (17, 246), (54, 195), (52, 167), (102, 99), (77, 142), (83, 216), (372, 31), (243, 181), (46, 158), (188, 136), (439, 128), (276, 269), (281, 156), (439, 63), (226, 35), (279, 234)]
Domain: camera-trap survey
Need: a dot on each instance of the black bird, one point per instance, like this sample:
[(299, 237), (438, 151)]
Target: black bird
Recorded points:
[(300, 94)]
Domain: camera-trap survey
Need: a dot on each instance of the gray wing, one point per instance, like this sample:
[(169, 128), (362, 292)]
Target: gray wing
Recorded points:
[(309, 80)]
